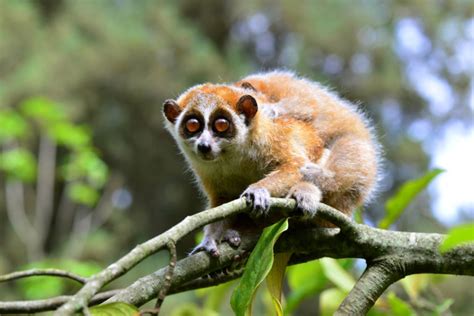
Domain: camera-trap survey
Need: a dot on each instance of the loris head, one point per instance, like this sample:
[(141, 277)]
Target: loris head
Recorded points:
[(211, 121)]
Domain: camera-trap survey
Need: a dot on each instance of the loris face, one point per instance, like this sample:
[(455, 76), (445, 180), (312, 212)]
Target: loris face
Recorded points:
[(206, 124)]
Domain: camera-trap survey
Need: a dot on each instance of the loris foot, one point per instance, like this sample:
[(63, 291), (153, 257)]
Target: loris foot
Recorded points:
[(307, 197), (259, 198), (232, 237), (209, 245)]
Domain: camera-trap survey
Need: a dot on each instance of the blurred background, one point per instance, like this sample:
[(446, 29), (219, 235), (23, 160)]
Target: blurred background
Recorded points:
[(87, 170)]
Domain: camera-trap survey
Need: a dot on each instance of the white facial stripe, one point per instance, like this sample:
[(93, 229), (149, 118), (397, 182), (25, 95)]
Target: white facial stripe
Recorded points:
[(206, 136)]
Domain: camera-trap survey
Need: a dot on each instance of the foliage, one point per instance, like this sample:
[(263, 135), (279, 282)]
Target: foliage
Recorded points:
[(330, 278), (257, 268), (40, 287), (304, 280), (18, 163), (408, 191), (83, 167), (457, 236), (13, 126), (119, 309)]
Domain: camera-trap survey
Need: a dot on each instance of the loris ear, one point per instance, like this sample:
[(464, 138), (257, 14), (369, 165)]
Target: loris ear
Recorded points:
[(247, 85), (247, 106), (171, 110)]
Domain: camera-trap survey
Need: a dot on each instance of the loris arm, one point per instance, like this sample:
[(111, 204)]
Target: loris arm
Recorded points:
[(286, 181)]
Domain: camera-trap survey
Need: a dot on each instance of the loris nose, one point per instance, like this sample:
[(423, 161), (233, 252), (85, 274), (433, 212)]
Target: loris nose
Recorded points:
[(204, 148)]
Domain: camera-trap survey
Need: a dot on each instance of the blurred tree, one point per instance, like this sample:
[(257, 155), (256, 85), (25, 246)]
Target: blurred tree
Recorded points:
[(46, 204)]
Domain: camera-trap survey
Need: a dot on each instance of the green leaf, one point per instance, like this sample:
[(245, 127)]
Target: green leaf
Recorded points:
[(215, 296), (358, 216), (83, 194), (258, 266), (334, 272), (70, 135), (86, 164), (329, 301), (114, 309), (304, 280), (415, 284), (43, 110), (275, 280), (83, 268), (39, 287), (458, 235), (408, 191), (19, 164), (188, 309), (12, 125), (399, 307), (443, 307)]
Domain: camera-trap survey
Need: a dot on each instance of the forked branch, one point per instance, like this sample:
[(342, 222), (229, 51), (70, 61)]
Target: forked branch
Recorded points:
[(390, 256)]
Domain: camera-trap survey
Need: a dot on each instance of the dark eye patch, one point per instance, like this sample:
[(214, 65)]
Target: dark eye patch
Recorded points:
[(222, 114), (183, 130)]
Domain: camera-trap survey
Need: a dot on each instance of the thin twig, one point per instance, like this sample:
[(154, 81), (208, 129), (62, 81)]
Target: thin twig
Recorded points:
[(49, 304), (168, 276), (148, 248), (406, 253), (166, 284), (42, 272)]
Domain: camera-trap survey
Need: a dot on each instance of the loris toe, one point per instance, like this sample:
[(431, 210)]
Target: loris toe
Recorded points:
[(208, 245), (259, 198), (232, 237), (307, 199)]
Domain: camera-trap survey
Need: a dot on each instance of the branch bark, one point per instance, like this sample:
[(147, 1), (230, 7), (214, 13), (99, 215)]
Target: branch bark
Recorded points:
[(150, 247), (42, 272), (390, 256)]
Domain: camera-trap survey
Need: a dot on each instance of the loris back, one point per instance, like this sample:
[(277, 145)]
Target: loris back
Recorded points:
[(273, 134)]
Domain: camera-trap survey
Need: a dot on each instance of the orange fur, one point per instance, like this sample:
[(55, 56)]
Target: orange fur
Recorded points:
[(303, 142), (354, 155)]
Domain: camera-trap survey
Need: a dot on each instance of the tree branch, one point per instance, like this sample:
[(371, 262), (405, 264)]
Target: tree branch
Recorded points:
[(45, 188), (16, 213), (390, 256), (36, 306), (42, 272), (370, 286), (150, 247)]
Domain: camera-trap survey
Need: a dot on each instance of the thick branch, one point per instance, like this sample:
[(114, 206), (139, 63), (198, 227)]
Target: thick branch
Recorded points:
[(373, 282), (407, 252), (148, 248), (397, 253)]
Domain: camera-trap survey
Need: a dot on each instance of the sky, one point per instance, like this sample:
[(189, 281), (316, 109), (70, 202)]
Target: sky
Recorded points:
[(452, 148)]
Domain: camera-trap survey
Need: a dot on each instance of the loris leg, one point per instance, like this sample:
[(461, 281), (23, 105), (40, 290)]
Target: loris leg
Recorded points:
[(216, 233), (212, 236), (348, 174)]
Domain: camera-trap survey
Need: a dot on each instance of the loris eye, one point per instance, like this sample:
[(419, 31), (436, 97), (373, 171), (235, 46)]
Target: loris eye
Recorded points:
[(221, 125), (192, 125)]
